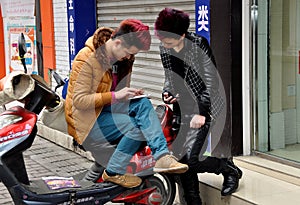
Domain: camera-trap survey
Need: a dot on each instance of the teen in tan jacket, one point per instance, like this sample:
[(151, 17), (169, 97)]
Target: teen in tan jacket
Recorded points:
[(89, 106)]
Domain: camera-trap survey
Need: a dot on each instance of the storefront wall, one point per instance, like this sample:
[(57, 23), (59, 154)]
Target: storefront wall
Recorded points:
[(60, 20), (276, 74), (148, 72)]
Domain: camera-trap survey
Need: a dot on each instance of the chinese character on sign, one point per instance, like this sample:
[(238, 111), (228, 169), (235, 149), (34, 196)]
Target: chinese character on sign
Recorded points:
[(203, 18), (71, 5), (71, 21), (72, 46)]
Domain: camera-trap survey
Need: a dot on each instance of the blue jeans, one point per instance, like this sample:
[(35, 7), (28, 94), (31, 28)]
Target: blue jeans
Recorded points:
[(119, 131)]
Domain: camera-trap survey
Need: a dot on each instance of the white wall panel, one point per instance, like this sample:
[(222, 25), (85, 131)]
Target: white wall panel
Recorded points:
[(61, 38)]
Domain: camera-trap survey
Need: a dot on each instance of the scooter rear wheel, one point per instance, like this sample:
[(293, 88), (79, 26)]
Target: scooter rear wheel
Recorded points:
[(165, 184)]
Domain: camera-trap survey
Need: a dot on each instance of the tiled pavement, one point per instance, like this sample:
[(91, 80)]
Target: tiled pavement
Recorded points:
[(45, 158)]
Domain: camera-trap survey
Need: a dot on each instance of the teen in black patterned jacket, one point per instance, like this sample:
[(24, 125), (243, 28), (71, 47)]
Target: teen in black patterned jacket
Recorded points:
[(192, 86)]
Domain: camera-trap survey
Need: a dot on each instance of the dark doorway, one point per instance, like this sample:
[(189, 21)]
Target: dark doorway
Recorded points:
[(226, 42)]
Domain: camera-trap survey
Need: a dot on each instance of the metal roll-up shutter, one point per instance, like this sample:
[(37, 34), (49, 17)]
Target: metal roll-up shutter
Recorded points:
[(148, 71)]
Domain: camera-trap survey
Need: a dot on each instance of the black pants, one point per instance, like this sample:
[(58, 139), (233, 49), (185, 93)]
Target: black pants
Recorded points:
[(192, 145), (189, 147)]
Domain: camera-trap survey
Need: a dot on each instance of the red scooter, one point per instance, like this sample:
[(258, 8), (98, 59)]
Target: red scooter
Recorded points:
[(17, 132)]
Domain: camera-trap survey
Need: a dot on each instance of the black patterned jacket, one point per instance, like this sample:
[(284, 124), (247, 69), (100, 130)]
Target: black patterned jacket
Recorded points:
[(201, 75)]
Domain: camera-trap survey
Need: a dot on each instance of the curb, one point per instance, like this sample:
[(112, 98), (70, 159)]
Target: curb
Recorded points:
[(62, 139)]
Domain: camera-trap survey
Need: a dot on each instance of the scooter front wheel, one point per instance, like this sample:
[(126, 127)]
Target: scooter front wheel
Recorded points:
[(165, 184)]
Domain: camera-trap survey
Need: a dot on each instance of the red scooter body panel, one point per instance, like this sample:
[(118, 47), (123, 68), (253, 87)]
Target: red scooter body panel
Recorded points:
[(19, 129), (133, 196), (143, 159)]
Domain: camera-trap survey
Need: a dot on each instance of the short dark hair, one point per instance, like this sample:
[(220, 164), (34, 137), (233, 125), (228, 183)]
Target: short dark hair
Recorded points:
[(171, 23), (134, 33)]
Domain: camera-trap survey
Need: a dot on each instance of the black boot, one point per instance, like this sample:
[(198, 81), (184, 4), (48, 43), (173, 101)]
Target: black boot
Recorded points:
[(190, 184), (232, 174)]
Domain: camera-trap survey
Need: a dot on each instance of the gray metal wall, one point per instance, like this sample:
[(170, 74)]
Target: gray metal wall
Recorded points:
[(147, 71)]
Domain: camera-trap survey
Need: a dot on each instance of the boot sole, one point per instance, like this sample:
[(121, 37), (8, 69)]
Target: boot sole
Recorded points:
[(229, 193)]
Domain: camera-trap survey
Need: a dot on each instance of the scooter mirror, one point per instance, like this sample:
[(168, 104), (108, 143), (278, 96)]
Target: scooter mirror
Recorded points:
[(22, 50), (60, 82)]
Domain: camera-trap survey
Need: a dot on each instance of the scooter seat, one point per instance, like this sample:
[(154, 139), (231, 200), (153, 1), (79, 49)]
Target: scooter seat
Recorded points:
[(39, 187)]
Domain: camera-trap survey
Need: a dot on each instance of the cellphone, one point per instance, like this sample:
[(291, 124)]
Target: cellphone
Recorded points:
[(140, 96)]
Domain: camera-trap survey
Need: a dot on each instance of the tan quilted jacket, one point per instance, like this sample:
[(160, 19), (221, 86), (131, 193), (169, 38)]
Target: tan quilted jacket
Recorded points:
[(89, 87)]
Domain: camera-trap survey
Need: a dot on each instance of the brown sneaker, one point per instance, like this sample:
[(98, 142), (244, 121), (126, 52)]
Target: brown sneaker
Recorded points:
[(169, 164), (126, 180)]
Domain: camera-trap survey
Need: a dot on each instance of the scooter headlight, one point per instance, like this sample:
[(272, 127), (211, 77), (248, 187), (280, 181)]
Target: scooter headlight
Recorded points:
[(6, 120)]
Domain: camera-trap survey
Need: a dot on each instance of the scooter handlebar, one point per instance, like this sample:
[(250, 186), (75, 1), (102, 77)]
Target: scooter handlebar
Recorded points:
[(16, 86), (40, 97)]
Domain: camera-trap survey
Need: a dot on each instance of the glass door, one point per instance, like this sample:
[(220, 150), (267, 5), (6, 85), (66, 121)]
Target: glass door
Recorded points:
[(276, 78)]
